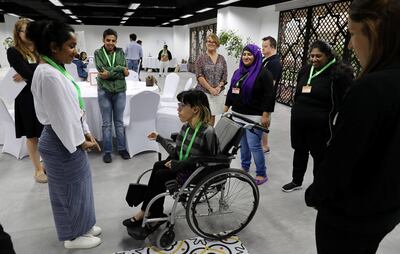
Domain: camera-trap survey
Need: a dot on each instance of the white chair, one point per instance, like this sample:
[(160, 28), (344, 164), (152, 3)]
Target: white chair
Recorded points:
[(167, 121), (174, 103), (133, 75), (142, 120), (71, 68), (12, 145), (170, 86)]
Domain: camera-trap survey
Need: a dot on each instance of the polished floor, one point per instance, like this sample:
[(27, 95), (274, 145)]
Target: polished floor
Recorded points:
[(283, 224)]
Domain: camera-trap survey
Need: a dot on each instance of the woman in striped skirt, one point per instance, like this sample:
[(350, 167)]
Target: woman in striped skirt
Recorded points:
[(65, 137)]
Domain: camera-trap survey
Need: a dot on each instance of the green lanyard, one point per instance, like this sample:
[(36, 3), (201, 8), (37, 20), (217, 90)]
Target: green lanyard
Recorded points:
[(319, 72), (68, 76), (108, 59), (241, 79), (190, 144)]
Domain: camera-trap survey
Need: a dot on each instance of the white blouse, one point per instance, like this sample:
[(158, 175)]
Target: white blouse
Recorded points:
[(56, 104)]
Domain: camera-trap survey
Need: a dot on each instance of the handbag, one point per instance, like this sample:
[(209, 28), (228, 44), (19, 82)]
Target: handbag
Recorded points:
[(151, 80), (135, 194)]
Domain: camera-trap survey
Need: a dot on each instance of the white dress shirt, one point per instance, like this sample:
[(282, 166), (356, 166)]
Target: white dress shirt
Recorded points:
[(56, 104)]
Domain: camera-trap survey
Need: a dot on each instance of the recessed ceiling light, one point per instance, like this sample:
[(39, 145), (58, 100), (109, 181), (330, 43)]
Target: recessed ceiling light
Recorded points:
[(125, 18), (174, 20), (14, 15), (186, 16), (204, 10), (56, 2), (133, 6), (165, 23), (228, 2), (66, 11), (129, 13), (73, 17), (79, 21), (123, 22)]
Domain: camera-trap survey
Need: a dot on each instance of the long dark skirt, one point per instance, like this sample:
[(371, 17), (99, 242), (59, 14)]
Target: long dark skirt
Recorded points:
[(70, 186)]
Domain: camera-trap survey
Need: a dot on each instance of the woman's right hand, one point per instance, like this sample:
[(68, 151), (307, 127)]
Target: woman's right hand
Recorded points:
[(152, 135), (18, 78), (214, 91)]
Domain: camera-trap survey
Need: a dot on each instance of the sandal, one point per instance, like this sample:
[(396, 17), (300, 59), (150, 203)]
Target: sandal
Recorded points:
[(261, 181), (41, 178)]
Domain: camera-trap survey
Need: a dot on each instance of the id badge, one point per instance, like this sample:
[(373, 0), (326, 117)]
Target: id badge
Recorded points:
[(306, 89), (235, 90)]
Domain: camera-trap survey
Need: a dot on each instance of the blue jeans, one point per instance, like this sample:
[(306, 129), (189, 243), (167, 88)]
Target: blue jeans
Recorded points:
[(251, 144), (112, 105), (133, 65)]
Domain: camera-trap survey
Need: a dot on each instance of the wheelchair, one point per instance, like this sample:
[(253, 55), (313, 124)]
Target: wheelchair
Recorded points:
[(219, 201)]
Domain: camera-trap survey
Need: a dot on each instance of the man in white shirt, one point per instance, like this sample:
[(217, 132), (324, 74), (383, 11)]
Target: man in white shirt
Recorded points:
[(133, 54)]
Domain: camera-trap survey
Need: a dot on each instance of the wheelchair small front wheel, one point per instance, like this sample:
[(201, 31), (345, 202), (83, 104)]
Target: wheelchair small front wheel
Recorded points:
[(165, 238), (222, 204)]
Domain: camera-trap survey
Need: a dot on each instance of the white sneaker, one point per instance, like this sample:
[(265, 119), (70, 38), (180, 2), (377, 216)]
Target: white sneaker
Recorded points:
[(94, 231), (83, 242)]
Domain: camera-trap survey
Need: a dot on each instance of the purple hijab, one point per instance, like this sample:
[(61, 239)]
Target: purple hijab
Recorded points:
[(252, 70)]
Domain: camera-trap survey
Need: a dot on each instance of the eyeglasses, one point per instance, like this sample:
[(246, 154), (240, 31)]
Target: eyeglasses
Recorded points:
[(22, 31), (211, 42), (181, 105)]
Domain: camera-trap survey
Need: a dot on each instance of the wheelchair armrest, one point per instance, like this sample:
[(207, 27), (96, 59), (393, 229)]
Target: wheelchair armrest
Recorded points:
[(221, 158), (174, 135)]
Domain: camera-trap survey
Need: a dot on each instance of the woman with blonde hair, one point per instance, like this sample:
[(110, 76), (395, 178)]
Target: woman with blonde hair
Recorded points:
[(211, 73), (23, 59)]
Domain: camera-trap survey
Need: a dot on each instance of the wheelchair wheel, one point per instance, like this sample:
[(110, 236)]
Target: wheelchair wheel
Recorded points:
[(220, 215), (165, 238)]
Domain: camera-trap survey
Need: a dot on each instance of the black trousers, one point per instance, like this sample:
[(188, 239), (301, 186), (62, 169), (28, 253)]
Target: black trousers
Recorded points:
[(6, 245), (156, 185), (307, 139), (336, 239)]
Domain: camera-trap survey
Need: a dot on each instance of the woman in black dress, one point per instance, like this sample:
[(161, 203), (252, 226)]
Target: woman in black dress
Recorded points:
[(23, 59)]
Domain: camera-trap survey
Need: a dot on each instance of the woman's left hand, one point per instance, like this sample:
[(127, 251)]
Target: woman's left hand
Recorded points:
[(89, 137), (168, 164), (18, 78)]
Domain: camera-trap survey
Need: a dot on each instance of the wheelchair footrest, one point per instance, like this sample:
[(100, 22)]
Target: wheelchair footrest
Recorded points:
[(140, 233), (172, 186)]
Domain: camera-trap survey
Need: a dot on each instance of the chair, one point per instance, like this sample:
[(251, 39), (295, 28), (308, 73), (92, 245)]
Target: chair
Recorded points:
[(132, 76), (170, 86), (71, 68), (142, 120), (11, 144), (167, 121), (174, 103)]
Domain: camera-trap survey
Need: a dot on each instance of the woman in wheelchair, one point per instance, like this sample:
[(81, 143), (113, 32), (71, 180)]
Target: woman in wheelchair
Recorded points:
[(196, 137)]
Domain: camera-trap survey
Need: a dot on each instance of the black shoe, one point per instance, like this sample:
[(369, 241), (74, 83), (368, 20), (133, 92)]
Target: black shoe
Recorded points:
[(132, 222), (291, 187), (124, 154), (107, 158)]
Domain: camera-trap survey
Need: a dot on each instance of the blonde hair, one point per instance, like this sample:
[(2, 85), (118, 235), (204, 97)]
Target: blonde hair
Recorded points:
[(19, 44), (215, 38)]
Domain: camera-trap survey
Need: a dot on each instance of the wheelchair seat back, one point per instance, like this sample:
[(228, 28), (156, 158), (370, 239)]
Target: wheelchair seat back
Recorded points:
[(229, 134)]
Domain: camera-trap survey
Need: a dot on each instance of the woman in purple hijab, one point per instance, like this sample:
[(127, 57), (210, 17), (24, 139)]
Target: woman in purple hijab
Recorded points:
[(251, 95)]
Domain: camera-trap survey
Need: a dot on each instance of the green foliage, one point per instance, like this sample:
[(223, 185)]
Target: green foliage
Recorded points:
[(232, 42)]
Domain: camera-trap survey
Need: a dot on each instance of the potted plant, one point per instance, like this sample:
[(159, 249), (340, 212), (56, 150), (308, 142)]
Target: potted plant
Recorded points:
[(232, 42)]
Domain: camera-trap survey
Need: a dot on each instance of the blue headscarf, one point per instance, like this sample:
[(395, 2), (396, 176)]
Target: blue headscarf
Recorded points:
[(252, 70)]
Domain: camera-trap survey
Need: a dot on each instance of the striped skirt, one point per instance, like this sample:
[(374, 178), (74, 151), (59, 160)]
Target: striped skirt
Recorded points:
[(70, 186)]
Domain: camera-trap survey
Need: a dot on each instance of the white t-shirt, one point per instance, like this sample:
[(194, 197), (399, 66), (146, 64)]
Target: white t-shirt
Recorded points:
[(56, 104)]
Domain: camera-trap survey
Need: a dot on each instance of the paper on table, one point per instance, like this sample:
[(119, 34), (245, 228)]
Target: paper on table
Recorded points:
[(9, 89)]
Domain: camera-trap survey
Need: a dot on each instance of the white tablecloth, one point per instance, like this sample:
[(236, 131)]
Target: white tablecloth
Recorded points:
[(153, 63), (93, 116)]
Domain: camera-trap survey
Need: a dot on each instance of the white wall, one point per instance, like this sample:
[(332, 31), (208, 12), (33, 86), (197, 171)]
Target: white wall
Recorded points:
[(153, 38), (6, 30), (248, 23), (180, 47)]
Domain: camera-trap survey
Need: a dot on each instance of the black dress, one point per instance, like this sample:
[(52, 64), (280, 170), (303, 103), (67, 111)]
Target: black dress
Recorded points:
[(26, 122)]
